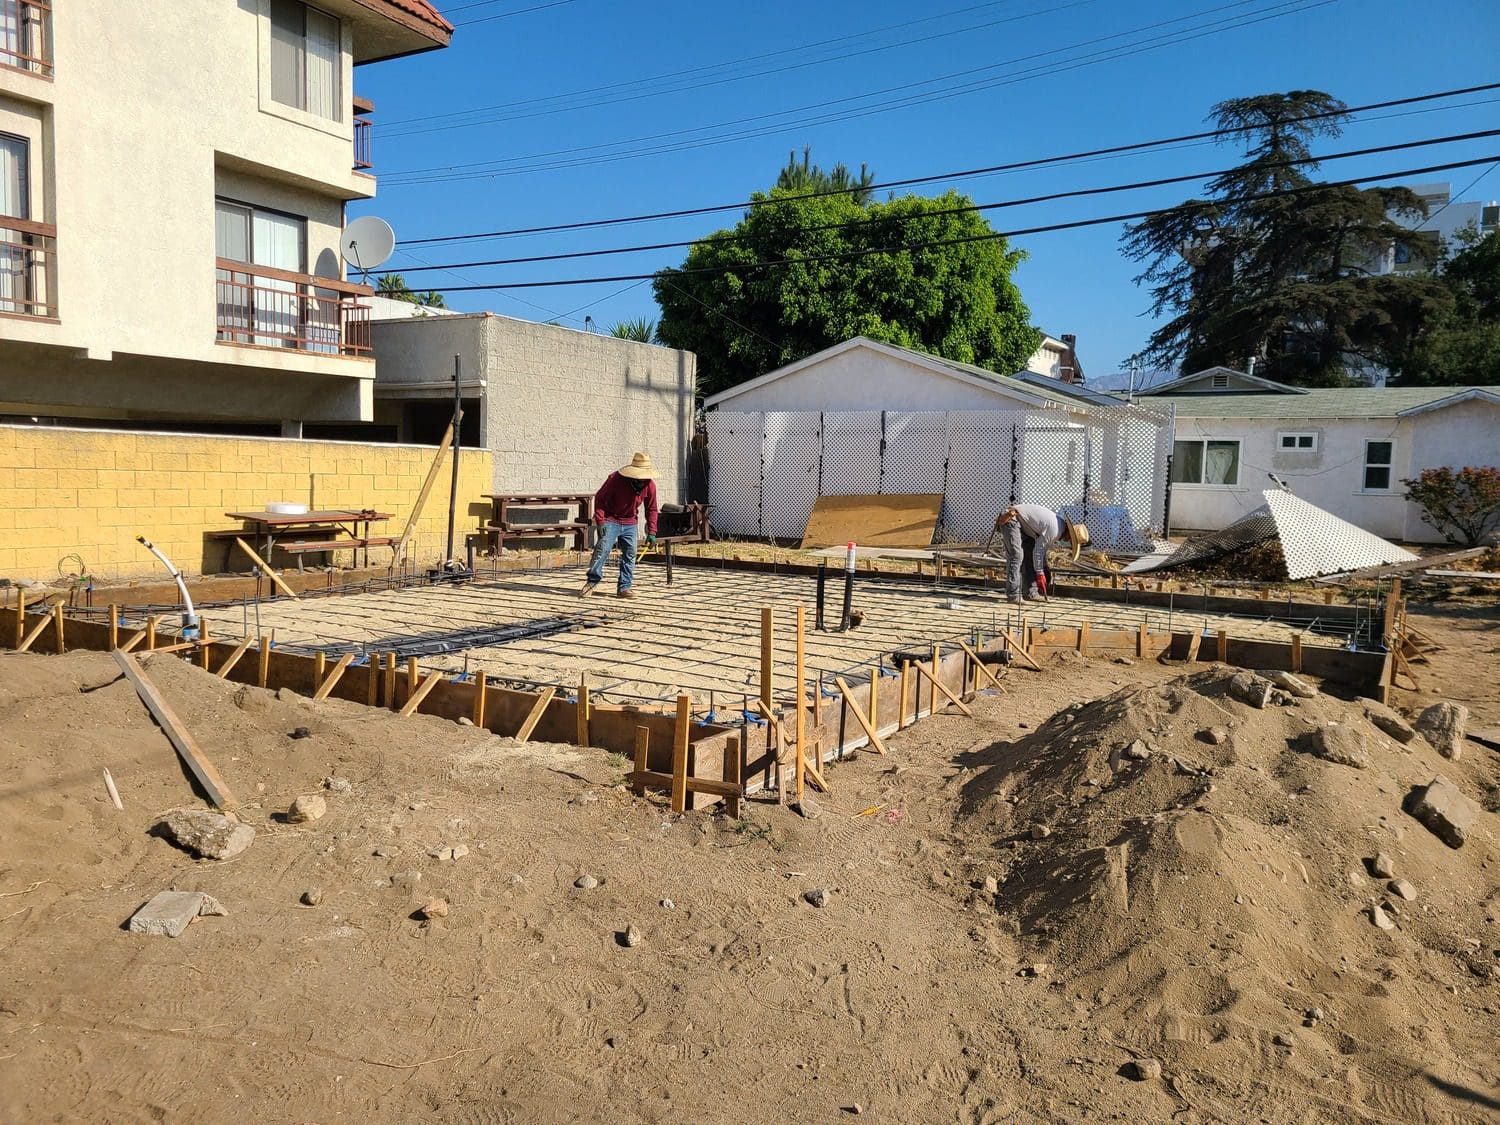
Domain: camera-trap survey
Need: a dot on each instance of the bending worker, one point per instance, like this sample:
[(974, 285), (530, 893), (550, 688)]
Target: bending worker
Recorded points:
[(615, 506), (1029, 530)]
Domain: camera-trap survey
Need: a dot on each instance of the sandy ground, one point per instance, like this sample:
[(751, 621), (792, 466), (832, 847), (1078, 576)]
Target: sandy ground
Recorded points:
[(1192, 908)]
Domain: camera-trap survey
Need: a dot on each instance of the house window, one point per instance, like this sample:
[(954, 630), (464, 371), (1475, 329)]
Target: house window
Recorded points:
[(1303, 443), (1379, 456), (259, 306), (16, 254), (306, 59), (1220, 382), (1206, 462), (23, 35)]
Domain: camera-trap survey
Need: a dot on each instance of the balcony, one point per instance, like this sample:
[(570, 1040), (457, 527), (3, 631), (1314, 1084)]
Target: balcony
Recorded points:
[(363, 107), (26, 36), (258, 306), (28, 252)]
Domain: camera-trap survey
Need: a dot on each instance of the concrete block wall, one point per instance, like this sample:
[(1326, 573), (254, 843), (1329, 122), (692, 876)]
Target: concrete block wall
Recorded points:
[(91, 492)]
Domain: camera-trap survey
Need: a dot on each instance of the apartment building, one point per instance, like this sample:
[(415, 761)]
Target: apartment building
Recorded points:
[(173, 184)]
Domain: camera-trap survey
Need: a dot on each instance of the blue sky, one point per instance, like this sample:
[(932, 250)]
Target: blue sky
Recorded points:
[(562, 114)]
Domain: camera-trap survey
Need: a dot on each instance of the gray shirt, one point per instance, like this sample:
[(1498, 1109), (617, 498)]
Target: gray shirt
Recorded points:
[(1040, 523)]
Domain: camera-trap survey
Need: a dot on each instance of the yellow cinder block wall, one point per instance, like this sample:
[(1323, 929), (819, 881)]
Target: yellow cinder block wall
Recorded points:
[(91, 492)]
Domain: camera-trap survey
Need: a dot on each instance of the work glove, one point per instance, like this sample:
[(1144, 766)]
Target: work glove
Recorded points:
[(650, 540)]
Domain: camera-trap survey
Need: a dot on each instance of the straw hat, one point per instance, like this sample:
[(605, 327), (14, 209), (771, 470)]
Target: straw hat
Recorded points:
[(639, 468), (1078, 537)]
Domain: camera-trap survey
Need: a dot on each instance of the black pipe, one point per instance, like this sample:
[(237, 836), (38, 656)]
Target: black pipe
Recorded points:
[(848, 598), (667, 558), (822, 583), (458, 417)]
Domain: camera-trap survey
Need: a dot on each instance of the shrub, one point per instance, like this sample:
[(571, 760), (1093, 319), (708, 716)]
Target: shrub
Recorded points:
[(1464, 503)]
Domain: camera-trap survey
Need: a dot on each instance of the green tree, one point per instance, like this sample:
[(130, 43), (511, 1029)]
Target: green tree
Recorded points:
[(642, 329), (1274, 265), (1462, 505), (807, 178), (1463, 345), (798, 276), (394, 285)]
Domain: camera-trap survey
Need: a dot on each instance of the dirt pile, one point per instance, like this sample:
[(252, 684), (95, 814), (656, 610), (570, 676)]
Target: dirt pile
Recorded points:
[(1193, 874)]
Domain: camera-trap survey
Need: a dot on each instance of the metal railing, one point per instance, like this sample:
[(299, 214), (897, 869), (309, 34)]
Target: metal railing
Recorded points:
[(28, 252), (259, 306), (362, 161), (26, 35)]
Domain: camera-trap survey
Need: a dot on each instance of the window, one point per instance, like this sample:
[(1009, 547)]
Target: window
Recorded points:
[(258, 308), (23, 36), (15, 249), (1304, 443), (306, 59), (1379, 456), (1206, 462)]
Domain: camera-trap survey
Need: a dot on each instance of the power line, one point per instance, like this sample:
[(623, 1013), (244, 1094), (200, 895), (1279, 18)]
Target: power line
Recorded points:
[(1035, 162), (503, 15), (987, 237), (487, 169), (972, 208)]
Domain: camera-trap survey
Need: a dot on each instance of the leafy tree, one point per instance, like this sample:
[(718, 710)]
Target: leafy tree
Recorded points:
[(394, 285), (1273, 265), (641, 329), (1463, 345), (798, 276), (807, 178), (1465, 503)]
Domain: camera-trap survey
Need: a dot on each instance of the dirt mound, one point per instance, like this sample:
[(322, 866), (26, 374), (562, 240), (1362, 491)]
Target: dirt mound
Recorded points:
[(1200, 880)]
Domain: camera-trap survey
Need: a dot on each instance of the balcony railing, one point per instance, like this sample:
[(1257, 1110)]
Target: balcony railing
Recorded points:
[(362, 162), (28, 253), (259, 306), (26, 35)]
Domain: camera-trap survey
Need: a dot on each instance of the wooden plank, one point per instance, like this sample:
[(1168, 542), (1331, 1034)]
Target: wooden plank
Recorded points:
[(263, 669), (114, 626), (1018, 647), (642, 752), (57, 620), (732, 779), (534, 716), (680, 753), (1083, 638), (901, 695), (36, 632), (276, 579), (372, 679), (412, 676), (1140, 641), (398, 552), (1223, 637), (390, 680), (940, 686), (421, 693), (481, 697), (931, 680), (182, 741), (20, 617), (888, 520), (1194, 640), (234, 658), (873, 711), (583, 709), (859, 716), (766, 673), (980, 666), (320, 668), (325, 688), (1296, 652), (799, 716)]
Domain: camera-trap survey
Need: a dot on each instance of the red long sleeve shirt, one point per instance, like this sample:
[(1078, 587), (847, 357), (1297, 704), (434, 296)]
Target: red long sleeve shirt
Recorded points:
[(616, 501)]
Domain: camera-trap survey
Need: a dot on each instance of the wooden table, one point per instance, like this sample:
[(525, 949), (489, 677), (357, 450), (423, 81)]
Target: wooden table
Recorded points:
[(501, 526), (349, 530)]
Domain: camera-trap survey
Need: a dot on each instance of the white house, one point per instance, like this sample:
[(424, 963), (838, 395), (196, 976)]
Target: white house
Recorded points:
[(1344, 449), (1057, 359)]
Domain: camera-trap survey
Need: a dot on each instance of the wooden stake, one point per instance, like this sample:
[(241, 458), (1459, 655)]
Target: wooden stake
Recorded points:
[(680, 733), (20, 616), (1392, 601), (421, 693), (817, 704), (534, 716), (1018, 646), (642, 748), (372, 679), (1140, 641), (320, 669), (957, 702), (583, 709), (932, 682), (234, 658), (481, 697), (263, 655), (1083, 639), (390, 680), (114, 794), (1296, 652), (1223, 647), (326, 686), (875, 696), (799, 710), (901, 695), (276, 579), (1194, 641), (732, 775), (114, 626), (182, 741), (151, 632), (980, 666), (411, 676), (859, 716), (36, 631), (57, 619), (766, 682)]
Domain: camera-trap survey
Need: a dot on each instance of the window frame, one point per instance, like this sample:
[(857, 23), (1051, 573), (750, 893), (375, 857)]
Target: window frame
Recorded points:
[(302, 77), (1205, 442), (1389, 466), (341, 126), (1282, 447)]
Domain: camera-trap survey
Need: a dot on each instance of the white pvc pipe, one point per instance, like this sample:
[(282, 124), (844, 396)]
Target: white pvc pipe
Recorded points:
[(189, 617)]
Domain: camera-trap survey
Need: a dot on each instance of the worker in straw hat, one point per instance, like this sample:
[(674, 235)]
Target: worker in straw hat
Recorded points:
[(1028, 531), (615, 506)]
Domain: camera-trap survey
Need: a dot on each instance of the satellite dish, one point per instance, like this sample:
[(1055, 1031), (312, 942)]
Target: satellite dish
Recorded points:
[(367, 242)]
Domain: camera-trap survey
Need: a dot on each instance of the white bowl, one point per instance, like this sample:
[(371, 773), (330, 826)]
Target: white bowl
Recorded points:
[(286, 508)]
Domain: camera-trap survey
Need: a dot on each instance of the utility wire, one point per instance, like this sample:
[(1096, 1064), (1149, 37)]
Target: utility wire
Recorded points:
[(988, 237), (504, 15), (1035, 162), (971, 208)]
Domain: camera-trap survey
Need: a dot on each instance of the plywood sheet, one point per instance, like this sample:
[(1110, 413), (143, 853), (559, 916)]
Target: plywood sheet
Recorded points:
[(907, 520)]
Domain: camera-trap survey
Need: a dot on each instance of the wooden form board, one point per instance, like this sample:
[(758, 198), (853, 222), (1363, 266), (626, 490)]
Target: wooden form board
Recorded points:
[(901, 520)]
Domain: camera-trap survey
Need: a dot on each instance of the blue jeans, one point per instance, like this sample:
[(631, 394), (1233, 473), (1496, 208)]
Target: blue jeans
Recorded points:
[(610, 533), (1023, 561)]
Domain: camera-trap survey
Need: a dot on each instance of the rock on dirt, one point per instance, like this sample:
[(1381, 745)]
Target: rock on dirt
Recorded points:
[(1143, 1070), (991, 885), (1039, 831), (209, 834), (434, 908), (632, 936), (818, 897), (807, 808), (1382, 866), (586, 882), (1250, 688), (1390, 721), (1214, 736), (1339, 744), (169, 913), (1445, 726), (313, 896), (297, 732), (1402, 888), (309, 806), (338, 785), (1138, 751), (1380, 919), (1446, 812)]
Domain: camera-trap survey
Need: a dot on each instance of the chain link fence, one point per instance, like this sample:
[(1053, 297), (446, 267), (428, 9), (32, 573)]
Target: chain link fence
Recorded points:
[(1100, 465)]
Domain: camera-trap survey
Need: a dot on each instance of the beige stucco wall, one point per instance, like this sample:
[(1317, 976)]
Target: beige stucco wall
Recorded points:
[(144, 122), (562, 409)]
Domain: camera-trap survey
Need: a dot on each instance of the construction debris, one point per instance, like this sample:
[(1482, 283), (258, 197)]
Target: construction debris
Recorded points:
[(208, 834), (169, 913), (1445, 811)]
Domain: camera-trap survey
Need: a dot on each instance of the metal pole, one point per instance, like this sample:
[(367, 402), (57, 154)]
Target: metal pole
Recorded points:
[(666, 548), (457, 443), (822, 583), (848, 587)]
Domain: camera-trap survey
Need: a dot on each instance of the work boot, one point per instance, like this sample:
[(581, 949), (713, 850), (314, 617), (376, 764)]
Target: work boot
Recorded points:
[(588, 588), (626, 593)]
